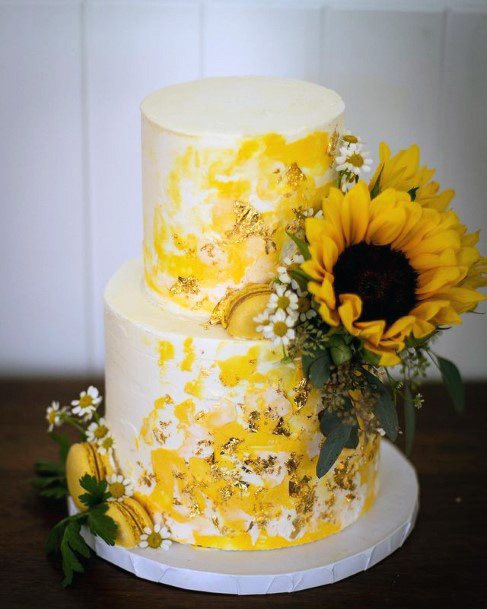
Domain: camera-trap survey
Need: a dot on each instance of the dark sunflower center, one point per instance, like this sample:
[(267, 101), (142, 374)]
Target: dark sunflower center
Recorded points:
[(381, 276)]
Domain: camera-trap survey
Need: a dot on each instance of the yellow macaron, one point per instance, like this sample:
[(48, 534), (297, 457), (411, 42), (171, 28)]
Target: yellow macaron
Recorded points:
[(131, 518), (83, 458)]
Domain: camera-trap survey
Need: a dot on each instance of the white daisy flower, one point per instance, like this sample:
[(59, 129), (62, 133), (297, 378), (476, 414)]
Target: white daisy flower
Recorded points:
[(119, 487), (262, 320), (305, 310), (87, 403), (347, 180), (106, 445), (281, 328), (155, 538), (97, 431), (353, 159), (349, 139), (54, 415), (284, 299)]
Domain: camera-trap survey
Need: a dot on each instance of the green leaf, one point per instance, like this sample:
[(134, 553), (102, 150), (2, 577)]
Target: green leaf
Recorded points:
[(331, 448), (340, 353), (453, 381), (43, 467), (370, 358), (353, 439), (102, 525), (328, 422), (97, 491), (384, 407), (302, 246), (317, 367), (412, 193), (409, 419)]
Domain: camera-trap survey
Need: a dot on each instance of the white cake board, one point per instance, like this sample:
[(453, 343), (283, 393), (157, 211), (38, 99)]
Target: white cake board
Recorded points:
[(378, 533)]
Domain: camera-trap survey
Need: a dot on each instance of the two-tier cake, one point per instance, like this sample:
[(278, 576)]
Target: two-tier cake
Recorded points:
[(220, 434)]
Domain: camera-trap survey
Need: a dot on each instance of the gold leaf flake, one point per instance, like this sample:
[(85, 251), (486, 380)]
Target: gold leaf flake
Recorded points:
[(230, 446), (254, 416), (294, 176), (301, 393), (281, 429), (333, 143), (185, 285), (250, 223)]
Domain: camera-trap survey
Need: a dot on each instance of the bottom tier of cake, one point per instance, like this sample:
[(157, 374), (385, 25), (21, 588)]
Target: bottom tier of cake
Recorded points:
[(219, 436)]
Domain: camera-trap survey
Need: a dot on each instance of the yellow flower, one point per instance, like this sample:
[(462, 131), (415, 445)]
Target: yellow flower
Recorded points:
[(402, 172), (386, 268)]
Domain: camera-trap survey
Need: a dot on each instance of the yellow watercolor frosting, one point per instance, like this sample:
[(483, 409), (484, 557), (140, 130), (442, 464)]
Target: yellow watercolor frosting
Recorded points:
[(220, 437), (216, 210)]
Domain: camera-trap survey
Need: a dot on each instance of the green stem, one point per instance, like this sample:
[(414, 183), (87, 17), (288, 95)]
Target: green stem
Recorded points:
[(71, 421)]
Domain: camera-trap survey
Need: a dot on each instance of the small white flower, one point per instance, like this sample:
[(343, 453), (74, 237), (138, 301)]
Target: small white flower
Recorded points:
[(97, 431), (87, 403), (350, 139), (281, 328), (155, 538), (106, 444), (262, 320), (296, 258), (305, 309), (319, 214), (284, 299), (54, 415), (283, 275), (119, 487), (353, 160)]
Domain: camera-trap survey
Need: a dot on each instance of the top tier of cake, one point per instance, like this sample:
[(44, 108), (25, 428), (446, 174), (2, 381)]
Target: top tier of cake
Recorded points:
[(228, 165)]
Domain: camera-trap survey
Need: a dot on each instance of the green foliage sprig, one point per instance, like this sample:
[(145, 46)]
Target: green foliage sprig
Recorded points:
[(66, 538), (50, 477)]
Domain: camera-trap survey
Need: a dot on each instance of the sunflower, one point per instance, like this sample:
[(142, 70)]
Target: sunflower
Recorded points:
[(388, 268), (403, 172)]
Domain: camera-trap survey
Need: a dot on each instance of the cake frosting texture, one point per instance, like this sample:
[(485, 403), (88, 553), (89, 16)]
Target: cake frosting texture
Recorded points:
[(228, 165), (219, 436)]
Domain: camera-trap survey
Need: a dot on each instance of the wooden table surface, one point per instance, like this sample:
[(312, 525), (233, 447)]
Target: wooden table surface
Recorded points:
[(440, 565)]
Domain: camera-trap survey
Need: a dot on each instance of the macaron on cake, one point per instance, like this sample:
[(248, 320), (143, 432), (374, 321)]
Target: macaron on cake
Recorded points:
[(84, 458), (131, 519)]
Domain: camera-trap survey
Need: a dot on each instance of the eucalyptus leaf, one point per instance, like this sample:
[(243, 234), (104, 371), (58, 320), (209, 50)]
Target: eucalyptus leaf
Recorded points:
[(302, 246), (331, 448), (353, 439), (409, 419), (384, 407), (317, 367), (328, 422), (453, 381)]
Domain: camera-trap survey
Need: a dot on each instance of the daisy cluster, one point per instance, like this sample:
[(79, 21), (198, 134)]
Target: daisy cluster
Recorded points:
[(288, 306), (82, 413), (351, 162)]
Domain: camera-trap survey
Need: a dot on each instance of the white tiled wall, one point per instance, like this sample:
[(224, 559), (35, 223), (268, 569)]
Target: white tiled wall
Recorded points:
[(72, 74)]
